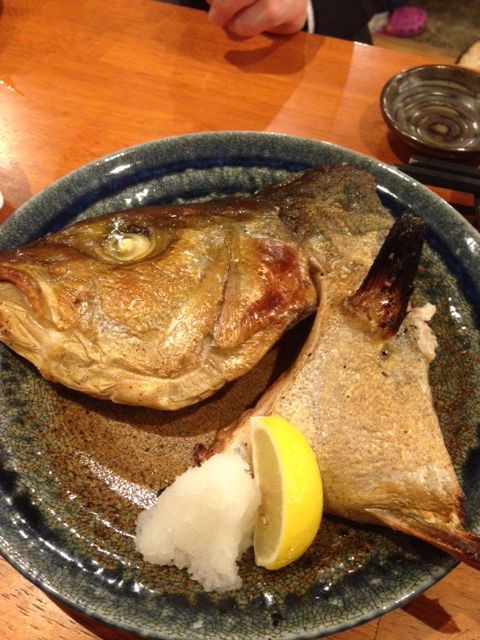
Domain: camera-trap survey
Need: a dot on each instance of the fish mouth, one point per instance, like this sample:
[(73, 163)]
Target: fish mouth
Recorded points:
[(24, 312), (19, 287)]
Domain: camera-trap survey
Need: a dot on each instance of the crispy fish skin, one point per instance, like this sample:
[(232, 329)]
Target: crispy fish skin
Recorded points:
[(362, 395), (335, 212), (157, 306)]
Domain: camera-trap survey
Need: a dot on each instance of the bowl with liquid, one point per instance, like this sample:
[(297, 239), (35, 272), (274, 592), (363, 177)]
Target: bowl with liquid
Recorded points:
[(435, 108)]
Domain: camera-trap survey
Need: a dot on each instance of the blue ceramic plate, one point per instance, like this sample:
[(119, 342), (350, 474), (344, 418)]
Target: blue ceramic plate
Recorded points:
[(75, 471)]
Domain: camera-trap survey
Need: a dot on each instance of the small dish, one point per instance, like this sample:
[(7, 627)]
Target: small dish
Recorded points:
[(435, 108)]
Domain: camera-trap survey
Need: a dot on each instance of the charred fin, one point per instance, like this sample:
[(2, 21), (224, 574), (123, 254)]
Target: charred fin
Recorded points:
[(383, 296), (455, 541)]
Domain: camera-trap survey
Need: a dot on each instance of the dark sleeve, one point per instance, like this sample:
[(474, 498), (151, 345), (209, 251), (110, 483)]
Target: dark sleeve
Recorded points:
[(347, 19)]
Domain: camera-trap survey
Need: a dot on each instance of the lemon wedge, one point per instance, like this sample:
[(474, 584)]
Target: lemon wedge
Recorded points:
[(286, 470)]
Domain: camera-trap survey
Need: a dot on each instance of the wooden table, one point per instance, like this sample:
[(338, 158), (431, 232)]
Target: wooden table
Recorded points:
[(82, 79)]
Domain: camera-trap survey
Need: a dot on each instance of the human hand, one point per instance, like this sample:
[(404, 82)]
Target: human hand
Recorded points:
[(250, 17)]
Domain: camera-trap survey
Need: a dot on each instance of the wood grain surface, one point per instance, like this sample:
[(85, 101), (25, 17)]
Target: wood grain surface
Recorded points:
[(82, 79)]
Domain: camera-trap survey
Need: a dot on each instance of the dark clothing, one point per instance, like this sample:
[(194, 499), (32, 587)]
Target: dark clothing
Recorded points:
[(346, 19)]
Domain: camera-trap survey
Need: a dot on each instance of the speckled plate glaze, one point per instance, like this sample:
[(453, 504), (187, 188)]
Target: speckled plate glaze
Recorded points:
[(76, 471), (435, 109)]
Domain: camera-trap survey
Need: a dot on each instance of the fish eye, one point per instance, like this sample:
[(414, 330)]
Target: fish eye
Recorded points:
[(127, 246)]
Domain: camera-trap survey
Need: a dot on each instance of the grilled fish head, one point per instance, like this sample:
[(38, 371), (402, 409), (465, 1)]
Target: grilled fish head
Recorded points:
[(158, 306)]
